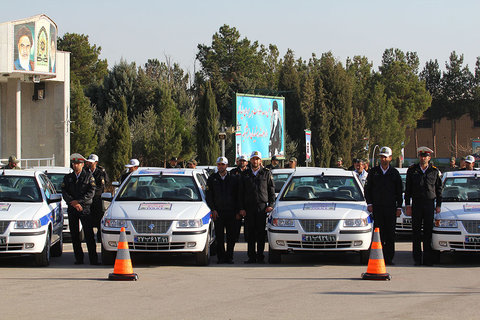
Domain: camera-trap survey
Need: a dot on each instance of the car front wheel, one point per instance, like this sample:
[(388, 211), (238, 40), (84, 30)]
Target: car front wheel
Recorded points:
[(42, 259)]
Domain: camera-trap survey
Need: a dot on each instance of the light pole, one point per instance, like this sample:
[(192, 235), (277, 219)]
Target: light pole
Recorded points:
[(373, 155), (222, 136)]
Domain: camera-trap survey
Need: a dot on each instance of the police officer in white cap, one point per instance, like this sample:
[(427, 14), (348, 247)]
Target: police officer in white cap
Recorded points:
[(469, 163), (131, 166), (257, 193), (383, 193), (222, 198), (423, 197)]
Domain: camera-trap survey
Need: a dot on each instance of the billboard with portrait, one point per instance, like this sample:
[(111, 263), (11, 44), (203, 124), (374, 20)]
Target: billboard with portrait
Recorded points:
[(260, 125), (35, 45)]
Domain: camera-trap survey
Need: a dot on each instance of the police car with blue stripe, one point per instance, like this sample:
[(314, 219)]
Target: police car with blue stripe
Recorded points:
[(31, 219), (320, 209), (162, 210)]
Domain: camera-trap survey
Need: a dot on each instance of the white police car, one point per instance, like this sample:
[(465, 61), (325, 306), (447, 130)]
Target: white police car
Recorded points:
[(457, 226), (404, 222), (320, 209), (56, 175), (163, 210), (30, 216)]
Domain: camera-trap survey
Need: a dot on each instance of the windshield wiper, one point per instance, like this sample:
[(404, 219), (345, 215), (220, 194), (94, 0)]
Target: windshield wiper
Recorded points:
[(130, 199), (10, 199)]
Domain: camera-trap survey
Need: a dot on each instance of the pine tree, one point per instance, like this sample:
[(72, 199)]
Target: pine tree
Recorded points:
[(207, 129), (119, 144), (83, 139)]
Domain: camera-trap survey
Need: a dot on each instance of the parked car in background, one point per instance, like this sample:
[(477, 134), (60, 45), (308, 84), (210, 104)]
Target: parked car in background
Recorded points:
[(31, 220)]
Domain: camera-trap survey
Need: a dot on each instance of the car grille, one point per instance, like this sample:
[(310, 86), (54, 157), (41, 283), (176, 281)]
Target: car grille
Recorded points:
[(319, 225), (319, 245), (4, 226), (11, 247), (151, 226), (156, 246), (472, 226), (464, 245)]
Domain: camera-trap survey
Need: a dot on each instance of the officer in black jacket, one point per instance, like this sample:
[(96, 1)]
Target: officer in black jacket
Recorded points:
[(423, 197), (101, 179), (78, 189), (237, 171), (257, 193), (383, 193), (222, 198)]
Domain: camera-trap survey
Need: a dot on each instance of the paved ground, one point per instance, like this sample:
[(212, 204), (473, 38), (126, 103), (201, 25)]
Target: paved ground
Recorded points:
[(324, 286)]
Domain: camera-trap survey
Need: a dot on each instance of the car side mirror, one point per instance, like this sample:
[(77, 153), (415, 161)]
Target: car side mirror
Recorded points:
[(107, 196), (56, 197)]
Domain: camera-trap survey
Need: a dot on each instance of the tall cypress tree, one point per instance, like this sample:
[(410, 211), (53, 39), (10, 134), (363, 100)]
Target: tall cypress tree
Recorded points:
[(83, 138), (119, 144), (207, 128)]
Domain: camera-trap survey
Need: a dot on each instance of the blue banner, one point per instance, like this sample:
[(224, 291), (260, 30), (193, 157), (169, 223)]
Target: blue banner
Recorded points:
[(260, 125)]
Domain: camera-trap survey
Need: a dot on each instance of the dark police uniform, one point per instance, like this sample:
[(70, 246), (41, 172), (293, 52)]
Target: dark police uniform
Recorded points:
[(101, 179), (257, 192), (423, 189), (222, 196), (384, 192), (82, 190), (238, 222)]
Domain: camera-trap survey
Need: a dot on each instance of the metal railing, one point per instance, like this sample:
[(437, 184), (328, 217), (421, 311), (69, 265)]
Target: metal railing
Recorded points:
[(33, 162)]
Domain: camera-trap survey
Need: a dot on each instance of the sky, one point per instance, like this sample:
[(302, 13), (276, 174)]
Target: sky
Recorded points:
[(140, 30)]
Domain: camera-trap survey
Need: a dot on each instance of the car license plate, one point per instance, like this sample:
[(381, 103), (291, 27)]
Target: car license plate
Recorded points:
[(407, 220), (3, 240), (151, 239), (319, 238), (471, 239)]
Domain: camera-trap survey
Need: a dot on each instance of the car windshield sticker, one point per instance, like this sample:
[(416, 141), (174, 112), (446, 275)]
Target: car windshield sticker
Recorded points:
[(460, 180), (145, 179), (471, 207), (319, 206), (4, 206), (155, 206), (177, 172)]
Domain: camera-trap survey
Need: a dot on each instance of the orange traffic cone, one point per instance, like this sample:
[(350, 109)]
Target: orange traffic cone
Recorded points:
[(376, 264), (123, 265)]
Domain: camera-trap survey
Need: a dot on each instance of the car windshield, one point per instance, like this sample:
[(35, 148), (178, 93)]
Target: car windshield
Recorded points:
[(19, 189), (57, 179), (457, 189), (279, 179), (322, 188), (159, 187)]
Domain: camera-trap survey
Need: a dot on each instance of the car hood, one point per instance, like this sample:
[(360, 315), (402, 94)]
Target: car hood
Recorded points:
[(20, 211), (459, 211), (155, 210), (321, 210)]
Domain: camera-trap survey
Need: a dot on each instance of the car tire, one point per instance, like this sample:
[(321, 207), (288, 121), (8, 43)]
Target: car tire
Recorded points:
[(203, 258), (436, 255), (364, 256), (108, 257), (274, 256), (57, 248), (42, 259), (213, 248)]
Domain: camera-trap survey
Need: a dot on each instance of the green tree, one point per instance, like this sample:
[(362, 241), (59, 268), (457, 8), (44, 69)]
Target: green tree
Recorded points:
[(119, 145), (83, 138), (321, 120), (432, 76), (208, 126), (85, 65), (144, 137)]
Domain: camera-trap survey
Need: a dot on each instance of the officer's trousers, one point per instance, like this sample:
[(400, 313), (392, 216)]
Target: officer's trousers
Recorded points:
[(225, 224), (385, 219), (422, 213), (255, 223), (73, 222)]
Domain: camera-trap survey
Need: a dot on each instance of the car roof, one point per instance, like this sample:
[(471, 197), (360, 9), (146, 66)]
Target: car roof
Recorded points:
[(170, 171), (46, 169), (19, 173), (309, 171), (462, 173)]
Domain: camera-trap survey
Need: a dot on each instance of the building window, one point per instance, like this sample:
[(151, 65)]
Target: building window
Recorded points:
[(476, 123), (424, 123)]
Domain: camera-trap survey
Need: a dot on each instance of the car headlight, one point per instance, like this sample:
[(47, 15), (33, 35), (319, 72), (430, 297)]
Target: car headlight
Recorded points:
[(115, 223), (362, 222), (194, 223), (277, 222), (28, 224), (441, 223)]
